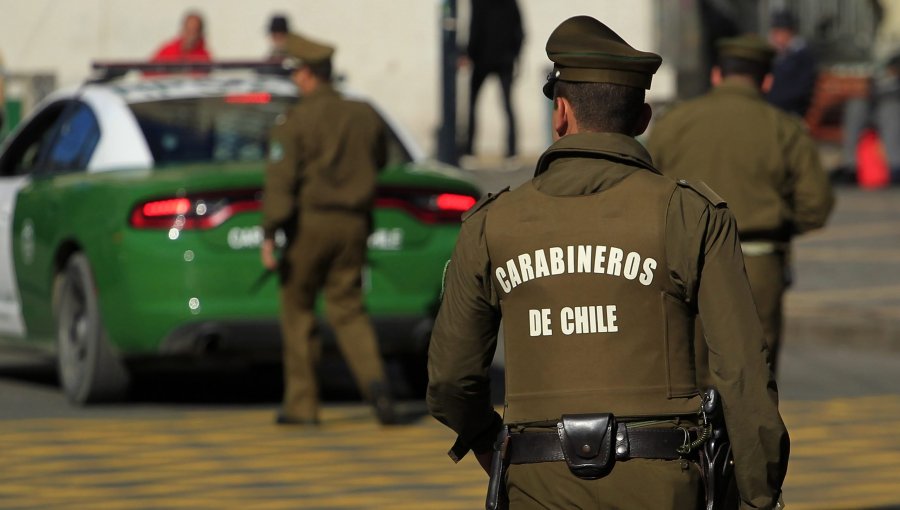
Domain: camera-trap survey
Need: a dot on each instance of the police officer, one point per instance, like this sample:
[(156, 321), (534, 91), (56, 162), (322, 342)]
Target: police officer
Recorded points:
[(597, 268), (759, 159), (324, 156)]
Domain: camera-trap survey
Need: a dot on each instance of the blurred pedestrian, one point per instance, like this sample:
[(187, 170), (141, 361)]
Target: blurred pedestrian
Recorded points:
[(759, 159), (795, 69), (597, 268), (880, 111), (325, 154), (278, 34), (189, 46), (495, 40), (2, 93)]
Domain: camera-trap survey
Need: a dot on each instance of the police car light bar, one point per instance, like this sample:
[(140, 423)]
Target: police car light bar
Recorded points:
[(105, 71)]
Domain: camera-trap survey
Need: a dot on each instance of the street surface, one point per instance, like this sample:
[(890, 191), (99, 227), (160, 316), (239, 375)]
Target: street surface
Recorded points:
[(206, 440)]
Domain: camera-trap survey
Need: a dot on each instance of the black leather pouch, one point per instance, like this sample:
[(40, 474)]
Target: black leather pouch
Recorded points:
[(588, 442)]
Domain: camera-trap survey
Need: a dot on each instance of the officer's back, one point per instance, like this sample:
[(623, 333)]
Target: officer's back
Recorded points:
[(597, 269)]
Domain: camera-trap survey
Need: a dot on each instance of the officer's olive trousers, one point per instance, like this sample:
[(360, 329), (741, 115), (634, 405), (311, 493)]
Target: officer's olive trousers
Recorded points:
[(768, 283), (635, 484), (328, 254)]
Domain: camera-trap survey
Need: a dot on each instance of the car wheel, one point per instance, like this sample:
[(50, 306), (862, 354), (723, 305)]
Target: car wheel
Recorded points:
[(89, 371)]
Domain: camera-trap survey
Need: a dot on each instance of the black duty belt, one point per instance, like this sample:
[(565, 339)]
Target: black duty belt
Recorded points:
[(643, 443)]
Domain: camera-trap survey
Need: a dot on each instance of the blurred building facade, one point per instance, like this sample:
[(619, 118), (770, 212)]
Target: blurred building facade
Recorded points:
[(387, 49), (391, 49)]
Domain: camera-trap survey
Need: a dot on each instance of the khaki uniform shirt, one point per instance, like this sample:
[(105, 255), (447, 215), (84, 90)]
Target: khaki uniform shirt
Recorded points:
[(758, 158), (325, 154), (704, 261)]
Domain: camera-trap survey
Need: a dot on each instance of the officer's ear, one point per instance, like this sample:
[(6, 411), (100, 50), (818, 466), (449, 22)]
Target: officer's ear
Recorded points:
[(766, 85), (715, 76), (562, 113), (643, 120)]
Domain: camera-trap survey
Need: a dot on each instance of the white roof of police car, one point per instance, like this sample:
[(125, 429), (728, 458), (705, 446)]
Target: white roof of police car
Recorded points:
[(122, 144)]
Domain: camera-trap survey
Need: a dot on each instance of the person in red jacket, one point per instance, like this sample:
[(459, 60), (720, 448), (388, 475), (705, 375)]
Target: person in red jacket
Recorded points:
[(188, 46)]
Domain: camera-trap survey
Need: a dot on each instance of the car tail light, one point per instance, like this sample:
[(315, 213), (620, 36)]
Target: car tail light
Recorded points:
[(249, 98), (427, 206), (200, 211)]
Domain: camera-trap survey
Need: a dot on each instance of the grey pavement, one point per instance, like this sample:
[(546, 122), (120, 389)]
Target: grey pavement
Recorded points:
[(846, 288)]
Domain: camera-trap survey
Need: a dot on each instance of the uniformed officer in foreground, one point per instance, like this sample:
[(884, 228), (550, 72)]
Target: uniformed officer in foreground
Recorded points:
[(597, 268), (759, 159), (320, 184)]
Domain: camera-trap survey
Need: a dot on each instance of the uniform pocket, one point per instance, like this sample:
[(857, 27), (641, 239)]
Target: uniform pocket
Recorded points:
[(681, 379)]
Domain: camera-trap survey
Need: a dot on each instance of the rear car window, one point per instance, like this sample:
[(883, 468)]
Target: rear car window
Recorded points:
[(209, 129), (221, 129)]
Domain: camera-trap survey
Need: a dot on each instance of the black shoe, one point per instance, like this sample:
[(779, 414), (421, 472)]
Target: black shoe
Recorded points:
[(283, 419), (383, 404)]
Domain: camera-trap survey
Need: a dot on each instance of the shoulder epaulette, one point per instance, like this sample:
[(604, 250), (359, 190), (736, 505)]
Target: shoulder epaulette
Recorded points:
[(704, 191), (485, 200)]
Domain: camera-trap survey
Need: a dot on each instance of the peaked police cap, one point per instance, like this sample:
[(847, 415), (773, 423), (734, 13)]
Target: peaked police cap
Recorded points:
[(747, 47), (307, 51), (585, 50)]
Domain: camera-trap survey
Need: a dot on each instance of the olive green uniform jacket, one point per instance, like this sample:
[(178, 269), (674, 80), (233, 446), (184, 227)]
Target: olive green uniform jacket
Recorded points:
[(759, 159), (704, 262), (325, 155), (763, 163)]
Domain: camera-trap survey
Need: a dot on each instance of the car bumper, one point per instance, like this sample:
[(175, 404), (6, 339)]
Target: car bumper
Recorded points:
[(397, 336)]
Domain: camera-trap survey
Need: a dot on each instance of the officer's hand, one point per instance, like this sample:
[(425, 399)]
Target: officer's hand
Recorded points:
[(485, 460), (267, 254)]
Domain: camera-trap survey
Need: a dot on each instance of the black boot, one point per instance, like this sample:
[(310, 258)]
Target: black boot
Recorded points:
[(383, 403)]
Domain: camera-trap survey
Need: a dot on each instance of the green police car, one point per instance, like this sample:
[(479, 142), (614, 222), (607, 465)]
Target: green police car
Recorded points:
[(129, 228)]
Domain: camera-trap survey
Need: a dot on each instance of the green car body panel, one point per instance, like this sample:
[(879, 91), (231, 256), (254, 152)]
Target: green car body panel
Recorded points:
[(151, 282)]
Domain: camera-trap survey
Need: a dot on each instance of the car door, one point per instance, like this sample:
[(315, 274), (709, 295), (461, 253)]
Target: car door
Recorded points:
[(39, 210), (20, 159)]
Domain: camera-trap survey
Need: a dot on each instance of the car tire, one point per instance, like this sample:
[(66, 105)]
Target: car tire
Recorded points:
[(89, 370)]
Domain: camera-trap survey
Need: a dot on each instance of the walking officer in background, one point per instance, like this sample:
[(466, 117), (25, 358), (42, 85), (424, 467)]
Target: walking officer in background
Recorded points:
[(597, 268), (324, 157), (759, 159)]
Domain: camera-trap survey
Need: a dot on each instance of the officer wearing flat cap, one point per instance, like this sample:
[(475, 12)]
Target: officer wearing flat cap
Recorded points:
[(324, 157), (759, 159), (597, 269)]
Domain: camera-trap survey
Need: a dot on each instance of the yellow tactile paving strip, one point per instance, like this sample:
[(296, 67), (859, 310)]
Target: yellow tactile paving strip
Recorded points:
[(846, 454)]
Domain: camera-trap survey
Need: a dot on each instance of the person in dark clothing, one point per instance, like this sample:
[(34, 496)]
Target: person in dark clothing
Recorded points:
[(495, 39), (278, 36), (795, 69)]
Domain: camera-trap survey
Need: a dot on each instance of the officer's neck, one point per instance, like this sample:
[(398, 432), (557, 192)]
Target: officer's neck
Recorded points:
[(738, 79)]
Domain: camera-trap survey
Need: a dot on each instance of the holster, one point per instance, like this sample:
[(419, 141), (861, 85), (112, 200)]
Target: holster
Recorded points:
[(587, 443), (716, 459), (497, 498)]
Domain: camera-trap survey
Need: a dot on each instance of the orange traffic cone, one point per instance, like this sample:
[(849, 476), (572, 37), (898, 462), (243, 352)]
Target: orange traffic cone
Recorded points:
[(871, 165)]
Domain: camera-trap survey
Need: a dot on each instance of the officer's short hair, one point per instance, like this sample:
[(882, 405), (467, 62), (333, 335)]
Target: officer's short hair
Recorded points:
[(321, 70), (603, 107), (742, 67)]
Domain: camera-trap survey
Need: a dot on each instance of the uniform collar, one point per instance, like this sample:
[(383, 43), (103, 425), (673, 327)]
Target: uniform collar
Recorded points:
[(612, 146), (737, 87), (323, 90)]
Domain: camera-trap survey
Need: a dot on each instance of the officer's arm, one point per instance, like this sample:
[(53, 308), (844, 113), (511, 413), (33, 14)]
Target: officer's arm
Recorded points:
[(738, 368), (737, 352), (281, 183), (381, 144), (463, 344), (811, 191)]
